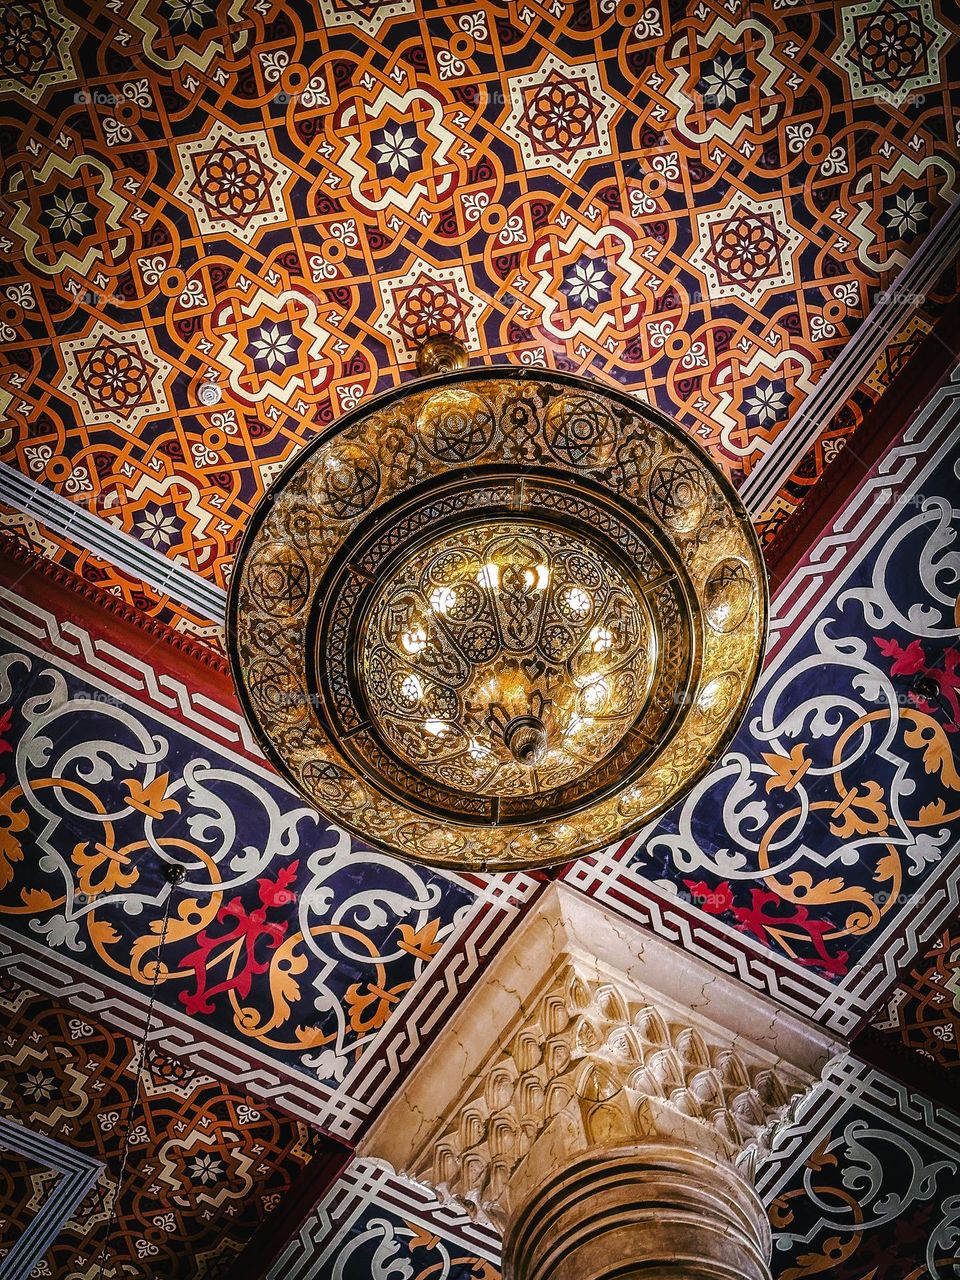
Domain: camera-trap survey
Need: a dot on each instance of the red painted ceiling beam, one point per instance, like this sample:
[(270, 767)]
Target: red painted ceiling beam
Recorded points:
[(278, 1229), (68, 596), (921, 373)]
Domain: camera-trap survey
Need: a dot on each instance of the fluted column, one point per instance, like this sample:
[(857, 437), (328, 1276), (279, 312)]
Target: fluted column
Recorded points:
[(655, 1211)]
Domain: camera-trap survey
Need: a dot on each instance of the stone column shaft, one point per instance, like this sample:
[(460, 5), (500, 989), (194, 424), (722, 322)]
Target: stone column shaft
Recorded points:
[(654, 1211)]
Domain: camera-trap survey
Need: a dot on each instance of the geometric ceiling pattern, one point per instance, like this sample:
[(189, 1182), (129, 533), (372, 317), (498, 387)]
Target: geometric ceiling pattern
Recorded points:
[(271, 204), (226, 222), (206, 1164), (923, 1011)]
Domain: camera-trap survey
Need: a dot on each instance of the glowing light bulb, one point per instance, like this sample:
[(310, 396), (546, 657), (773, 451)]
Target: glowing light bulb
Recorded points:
[(435, 727), (537, 579), (414, 640), (489, 576), (577, 601), (442, 599), (601, 639)]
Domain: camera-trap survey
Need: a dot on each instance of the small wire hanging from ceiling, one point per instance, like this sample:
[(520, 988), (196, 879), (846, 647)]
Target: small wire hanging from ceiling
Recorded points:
[(173, 874)]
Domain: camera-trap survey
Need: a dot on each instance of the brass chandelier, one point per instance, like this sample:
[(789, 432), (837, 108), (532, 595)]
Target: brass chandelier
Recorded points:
[(497, 618)]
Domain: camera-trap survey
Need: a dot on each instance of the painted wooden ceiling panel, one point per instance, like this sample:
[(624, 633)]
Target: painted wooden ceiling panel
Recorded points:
[(206, 1163), (279, 201), (829, 833), (286, 951)]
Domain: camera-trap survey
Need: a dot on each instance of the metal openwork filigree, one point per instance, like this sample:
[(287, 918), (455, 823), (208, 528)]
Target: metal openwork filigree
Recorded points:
[(498, 618)]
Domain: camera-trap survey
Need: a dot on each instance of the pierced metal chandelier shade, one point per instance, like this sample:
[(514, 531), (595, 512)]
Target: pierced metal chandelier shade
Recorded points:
[(498, 618)]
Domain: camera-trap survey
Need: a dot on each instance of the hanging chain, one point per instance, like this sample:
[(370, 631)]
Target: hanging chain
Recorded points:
[(173, 874)]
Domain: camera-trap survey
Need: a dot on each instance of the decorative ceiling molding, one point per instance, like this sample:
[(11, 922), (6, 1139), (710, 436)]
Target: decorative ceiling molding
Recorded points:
[(107, 615), (71, 518), (928, 366), (76, 1174), (903, 297)]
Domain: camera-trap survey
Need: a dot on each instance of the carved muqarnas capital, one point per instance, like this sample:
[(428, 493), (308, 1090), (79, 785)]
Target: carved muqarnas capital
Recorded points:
[(598, 1064), (585, 1033)]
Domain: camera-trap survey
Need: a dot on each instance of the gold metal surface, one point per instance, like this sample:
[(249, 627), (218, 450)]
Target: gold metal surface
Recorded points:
[(441, 353), (498, 622), (506, 658)]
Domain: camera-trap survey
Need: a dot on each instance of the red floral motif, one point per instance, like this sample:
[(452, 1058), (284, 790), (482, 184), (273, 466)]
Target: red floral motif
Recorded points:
[(933, 688), (239, 943), (718, 900), (908, 661), (768, 928), (715, 900)]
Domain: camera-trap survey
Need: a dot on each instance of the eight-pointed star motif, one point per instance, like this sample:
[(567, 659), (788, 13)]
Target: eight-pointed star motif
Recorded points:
[(272, 345), (724, 82), (906, 214), (766, 402), (397, 150), (586, 283), (68, 213)]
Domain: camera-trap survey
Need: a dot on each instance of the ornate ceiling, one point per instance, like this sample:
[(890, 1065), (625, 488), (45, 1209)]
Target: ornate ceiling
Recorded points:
[(706, 204), (743, 214)]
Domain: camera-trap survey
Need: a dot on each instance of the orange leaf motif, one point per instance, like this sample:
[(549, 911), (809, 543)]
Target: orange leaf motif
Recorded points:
[(108, 863), (37, 899), (933, 812), (376, 1004), (860, 813), (929, 737), (421, 943), (152, 799), (10, 824), (787, 770)]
